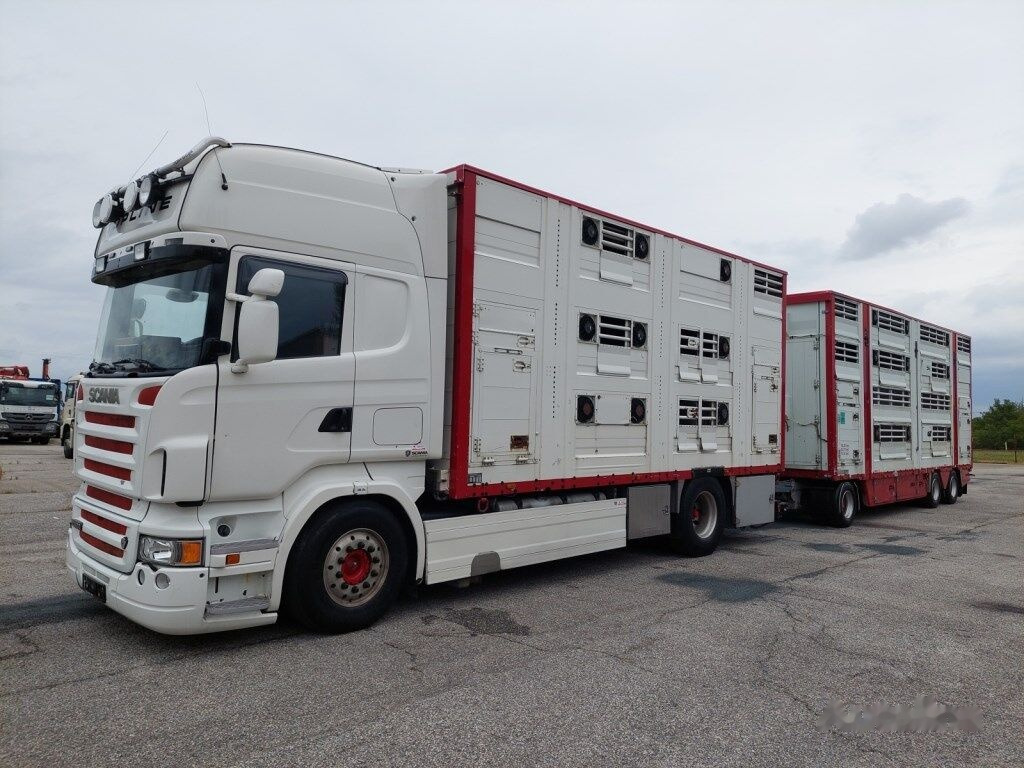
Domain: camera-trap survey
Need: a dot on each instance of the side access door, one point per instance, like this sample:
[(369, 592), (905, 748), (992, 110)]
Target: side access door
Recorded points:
[(279, 419)]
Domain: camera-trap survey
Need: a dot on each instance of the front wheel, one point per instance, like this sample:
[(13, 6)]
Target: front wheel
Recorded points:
[(952, 492), (69, 448), (844, 505), (698, 527), (346, 568)]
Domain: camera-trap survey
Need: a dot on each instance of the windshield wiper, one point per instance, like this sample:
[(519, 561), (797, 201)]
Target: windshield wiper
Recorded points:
[(139, 363), (98, 367)]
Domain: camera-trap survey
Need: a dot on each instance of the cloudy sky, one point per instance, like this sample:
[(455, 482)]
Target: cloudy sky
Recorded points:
[(870, 147)]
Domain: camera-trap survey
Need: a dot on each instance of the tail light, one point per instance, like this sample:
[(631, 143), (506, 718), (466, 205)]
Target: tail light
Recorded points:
[(148, 395), (80, 393)]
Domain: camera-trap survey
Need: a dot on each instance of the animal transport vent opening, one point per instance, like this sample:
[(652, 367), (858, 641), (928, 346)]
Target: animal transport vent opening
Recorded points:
[(963, 344), (710, 413), (705, 343), (892, 361), (847, 310), (887, 321), (934, 401), (846, 352), (940, 370), (767, 283), (890, 396), (940, 434), (615, 238), (892, 433), (934, 335)]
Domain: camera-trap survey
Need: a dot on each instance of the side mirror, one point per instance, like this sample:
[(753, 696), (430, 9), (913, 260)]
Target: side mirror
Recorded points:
[(258, 321)]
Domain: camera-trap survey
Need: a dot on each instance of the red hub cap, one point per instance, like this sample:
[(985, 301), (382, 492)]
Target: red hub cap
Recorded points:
[(355, 567), (696, 512)]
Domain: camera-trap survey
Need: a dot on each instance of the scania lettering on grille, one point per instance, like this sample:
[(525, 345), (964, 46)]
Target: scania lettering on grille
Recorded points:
[(104, 395)]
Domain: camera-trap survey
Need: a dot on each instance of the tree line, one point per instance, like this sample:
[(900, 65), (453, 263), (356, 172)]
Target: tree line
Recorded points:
[(1000, 426)]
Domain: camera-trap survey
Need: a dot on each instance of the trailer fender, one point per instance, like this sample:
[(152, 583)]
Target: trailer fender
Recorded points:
[(326, 484)]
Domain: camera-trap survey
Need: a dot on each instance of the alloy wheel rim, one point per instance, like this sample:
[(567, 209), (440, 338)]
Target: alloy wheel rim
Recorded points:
[(356, 567)]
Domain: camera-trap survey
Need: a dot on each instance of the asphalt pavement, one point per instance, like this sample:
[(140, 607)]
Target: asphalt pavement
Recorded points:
[(625, 658)]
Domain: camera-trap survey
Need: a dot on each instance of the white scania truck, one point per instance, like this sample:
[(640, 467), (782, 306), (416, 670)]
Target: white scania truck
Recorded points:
[(317, 381)]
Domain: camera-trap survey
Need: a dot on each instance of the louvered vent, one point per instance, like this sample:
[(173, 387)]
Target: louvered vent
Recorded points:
[(892, 361), (939, 370), (890, 322), (615, 238), (963, 344), (890, 396), (617, 331), (846, 352), (934, 401), (940, 434), (711, 345), (892, 433), (847, 310), (710, 413), (688, 412), (767, 283), (934, 335)]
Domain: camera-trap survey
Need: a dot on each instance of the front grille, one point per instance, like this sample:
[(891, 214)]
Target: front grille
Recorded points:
[(28, 419)]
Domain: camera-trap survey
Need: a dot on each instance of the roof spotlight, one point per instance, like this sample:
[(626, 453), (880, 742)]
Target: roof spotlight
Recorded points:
[(130, 198), (96, 222), (109, 206), (148, 190)]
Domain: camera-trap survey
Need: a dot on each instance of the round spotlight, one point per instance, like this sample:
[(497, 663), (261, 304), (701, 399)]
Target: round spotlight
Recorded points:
[(96, 220), (148, 190), (109, 206), (130, 198)]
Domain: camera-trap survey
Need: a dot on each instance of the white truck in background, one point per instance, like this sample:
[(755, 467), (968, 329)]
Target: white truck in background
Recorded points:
[(67, 415), (28, 407), (317, 381)]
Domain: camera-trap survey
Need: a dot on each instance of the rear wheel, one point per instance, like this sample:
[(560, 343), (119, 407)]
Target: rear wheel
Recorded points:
[(347, 568), (844, 505), (69, 448), (952, 492), (934, 491), (698, 527)]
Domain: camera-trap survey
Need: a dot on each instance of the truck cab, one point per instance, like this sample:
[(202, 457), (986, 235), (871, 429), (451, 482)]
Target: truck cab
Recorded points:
[(67, 415), (222, 412), (28, 409)]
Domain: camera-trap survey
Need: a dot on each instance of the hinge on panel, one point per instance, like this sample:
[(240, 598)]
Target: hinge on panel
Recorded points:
[(477, 309), (477, 445), (817, 384), (524, 459), (817, 342), (479, 365), (487, 461), (521, 365)]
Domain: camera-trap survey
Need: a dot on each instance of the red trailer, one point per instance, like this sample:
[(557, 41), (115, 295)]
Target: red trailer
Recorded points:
[(878, 408)]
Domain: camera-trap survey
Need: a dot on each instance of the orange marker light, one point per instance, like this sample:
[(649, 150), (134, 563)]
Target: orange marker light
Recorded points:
[(232, 559), (191, 553)]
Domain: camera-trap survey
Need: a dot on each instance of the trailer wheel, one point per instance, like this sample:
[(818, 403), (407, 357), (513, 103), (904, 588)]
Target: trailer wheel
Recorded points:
[(952, 491), (69, 448), (844, 505), (346, 568), (934, 491), (701, 519)]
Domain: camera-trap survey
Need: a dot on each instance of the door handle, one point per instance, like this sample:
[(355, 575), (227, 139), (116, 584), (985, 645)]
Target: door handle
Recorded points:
[(337, 420)]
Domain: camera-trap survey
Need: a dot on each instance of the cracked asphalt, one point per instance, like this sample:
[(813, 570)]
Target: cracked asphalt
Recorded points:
[(631, 657)]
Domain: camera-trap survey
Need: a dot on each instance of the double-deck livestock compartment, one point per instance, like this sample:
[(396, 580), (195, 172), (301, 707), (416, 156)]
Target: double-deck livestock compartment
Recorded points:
[(591, 351), (874, 398)]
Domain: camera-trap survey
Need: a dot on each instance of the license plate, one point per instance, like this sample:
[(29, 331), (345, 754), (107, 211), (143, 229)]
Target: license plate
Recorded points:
[(94, 587)]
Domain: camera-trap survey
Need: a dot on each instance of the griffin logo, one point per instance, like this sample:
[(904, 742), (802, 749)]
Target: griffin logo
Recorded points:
[(109, 395)]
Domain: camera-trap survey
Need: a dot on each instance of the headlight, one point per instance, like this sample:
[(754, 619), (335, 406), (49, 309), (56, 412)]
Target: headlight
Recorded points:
[(159, 551), (130, 197)]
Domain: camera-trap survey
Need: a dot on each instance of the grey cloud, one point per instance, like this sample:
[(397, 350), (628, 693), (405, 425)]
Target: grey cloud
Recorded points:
[(887, 226)]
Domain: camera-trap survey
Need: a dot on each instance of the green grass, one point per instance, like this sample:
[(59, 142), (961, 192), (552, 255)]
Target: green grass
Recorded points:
[(989, 456)]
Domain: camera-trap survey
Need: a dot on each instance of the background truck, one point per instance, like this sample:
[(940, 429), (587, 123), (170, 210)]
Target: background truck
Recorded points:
[(878, 408), (317, 381), (67, 415), (28, 407)]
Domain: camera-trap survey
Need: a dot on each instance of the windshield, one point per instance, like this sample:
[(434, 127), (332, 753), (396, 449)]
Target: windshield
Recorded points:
[(19, 394), (155, 322)]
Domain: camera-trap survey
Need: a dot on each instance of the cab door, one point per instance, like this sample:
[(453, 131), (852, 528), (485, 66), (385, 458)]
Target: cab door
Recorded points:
[(279, 419)]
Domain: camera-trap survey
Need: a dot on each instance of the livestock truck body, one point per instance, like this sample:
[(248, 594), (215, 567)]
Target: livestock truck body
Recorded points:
[(878, 408), (317, 381)]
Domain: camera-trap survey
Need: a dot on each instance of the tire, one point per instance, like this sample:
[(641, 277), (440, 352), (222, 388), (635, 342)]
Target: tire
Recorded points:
[(931, 501), (952, 491), (357, 547), (698, 527), (844, 505), (69, 449)]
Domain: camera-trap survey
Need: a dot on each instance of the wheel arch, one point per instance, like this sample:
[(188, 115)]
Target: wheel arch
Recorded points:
[(387, 495)]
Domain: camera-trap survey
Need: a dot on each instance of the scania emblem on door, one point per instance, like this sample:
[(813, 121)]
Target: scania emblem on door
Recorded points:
[(104, 395)]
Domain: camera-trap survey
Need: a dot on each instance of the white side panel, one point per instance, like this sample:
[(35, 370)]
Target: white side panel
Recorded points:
[(806, 425), (503, 540)]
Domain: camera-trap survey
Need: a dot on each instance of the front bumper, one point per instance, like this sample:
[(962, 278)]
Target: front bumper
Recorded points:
[(46, 429), (178, 609)]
